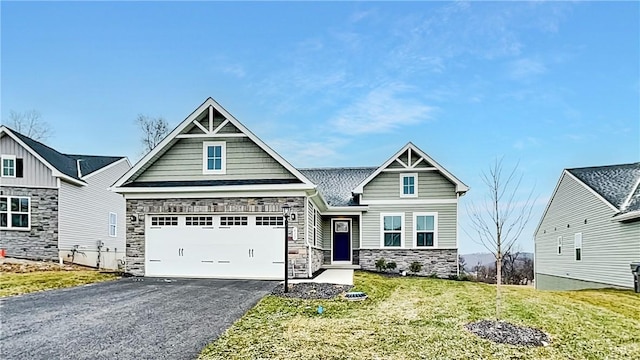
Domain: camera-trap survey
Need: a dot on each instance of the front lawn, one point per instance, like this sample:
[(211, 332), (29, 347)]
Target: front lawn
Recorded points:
[(12, 283), (420, 318)]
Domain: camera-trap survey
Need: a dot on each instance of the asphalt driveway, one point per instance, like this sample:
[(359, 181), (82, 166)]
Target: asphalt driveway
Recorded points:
[(125, 319)]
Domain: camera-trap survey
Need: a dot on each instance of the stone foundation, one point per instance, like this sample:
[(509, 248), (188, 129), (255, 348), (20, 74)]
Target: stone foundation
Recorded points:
[(298, 256), (441, 262), (41, 241)]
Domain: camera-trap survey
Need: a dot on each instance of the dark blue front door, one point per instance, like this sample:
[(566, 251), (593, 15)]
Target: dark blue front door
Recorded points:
[(341, 240)]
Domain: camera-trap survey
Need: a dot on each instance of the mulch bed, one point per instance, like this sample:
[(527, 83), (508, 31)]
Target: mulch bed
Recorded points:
[(503, 332), (11, 265), (309, 290)]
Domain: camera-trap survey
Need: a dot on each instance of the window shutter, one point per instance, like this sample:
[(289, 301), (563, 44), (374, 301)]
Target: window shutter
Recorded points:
[(19, 168)]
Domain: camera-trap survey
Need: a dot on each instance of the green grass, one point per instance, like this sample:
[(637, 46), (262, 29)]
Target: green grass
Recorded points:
[(420, 318), (22, 283)]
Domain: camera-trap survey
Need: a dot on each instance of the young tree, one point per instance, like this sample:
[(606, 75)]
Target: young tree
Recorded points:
[(499, 221), (153, 131), (29, 123)]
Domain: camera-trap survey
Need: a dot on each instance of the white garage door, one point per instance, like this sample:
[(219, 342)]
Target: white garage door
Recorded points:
[(223, 246)]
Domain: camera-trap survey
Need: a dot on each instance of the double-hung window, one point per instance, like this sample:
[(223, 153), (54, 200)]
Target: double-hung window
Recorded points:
[(113, 224), (391, 229), (426, 229), (408, 185), (577, 243), (15, 212), (8, 166), (214, 157)]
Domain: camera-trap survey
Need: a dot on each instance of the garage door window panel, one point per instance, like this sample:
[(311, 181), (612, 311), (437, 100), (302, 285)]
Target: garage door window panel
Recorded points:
[(269, 221), (233, 221), (199, 221), (164, 221)]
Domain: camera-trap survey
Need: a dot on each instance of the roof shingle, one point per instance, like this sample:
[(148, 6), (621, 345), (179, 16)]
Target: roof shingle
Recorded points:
[(615, 183), (336, 184), (67, 163)]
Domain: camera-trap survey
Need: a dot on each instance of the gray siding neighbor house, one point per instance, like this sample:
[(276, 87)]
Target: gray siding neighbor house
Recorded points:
[(590, 230), (207, 202), (54, 204)]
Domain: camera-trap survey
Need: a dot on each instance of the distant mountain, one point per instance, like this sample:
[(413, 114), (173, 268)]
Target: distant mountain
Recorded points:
[(484, 259)]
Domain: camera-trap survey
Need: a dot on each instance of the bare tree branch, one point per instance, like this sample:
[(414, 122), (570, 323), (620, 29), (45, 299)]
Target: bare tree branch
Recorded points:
[(153, 131), (30, 124), (502, 217)]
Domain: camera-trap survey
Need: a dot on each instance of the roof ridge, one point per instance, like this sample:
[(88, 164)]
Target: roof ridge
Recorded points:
[(602, 166), (341, 168), (100, 156)]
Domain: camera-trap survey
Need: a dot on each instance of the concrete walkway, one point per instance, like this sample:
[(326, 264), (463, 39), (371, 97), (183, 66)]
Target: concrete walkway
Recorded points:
[(330, 276)]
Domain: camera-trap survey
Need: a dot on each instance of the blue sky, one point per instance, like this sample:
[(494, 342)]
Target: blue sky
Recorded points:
[(550, 85)]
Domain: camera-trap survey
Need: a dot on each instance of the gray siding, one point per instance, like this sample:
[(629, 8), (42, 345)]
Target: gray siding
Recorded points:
[(36, 174), (245, 160), (447, 224), (431, 185), (607, 246), (84, 216)]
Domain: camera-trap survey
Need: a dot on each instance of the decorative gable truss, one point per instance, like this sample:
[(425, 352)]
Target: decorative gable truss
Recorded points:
[(212, 124), (410, 159)]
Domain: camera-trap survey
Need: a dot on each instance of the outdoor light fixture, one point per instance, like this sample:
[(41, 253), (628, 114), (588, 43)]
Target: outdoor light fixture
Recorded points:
[(286, 212)]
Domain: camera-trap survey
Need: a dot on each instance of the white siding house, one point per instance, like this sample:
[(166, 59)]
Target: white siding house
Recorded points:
[(52, 203), (590, 230)]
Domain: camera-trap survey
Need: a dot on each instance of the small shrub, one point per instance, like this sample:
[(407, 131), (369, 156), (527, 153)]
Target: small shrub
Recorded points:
[(415, 267), (391, 265), (434, 276), (381, 264)]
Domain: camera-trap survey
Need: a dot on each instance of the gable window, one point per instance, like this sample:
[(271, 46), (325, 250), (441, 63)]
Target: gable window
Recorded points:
[(426, 229), (214, 157), (8, 166), (559, 245), (577, 244), (113, 224), (408, 185), (391, 229), (15, 212)]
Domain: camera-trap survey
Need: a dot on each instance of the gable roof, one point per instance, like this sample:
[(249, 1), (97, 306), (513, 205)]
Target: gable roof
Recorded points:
[(460, 186), (617, 186), (615, 183), (62, 165), (336, 184), (172, 138)]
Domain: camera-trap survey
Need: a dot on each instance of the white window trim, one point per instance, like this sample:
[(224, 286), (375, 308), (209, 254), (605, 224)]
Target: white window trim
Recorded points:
[(8, 157), (559, 246), (223, 169), (9, 212), (402, 230), (577, 240), (115, 224), (415, 185), (435, 230)]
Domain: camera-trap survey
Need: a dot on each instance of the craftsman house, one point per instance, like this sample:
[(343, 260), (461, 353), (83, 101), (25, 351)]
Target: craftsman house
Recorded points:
[(58, 206), (590, 231), (207, 202)]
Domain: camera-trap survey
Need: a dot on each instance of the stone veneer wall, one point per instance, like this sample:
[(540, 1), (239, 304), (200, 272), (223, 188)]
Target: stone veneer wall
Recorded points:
[(298, 259), (41, 242), (442, 262), (317, 259)]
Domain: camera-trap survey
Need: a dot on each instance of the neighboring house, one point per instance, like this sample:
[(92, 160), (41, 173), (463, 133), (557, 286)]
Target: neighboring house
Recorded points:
[(207, 202), (54, 204), (590, 230)]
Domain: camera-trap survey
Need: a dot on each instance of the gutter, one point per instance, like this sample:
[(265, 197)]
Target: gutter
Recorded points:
[(628, 216)]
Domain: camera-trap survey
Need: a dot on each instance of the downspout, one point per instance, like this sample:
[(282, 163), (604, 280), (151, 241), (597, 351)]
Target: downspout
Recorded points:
[(457, 234), (78, 166), (306, 234)]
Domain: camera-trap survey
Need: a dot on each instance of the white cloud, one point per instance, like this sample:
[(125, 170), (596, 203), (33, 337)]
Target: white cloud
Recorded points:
[(527, 142), (309, 153), (383, 109)]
